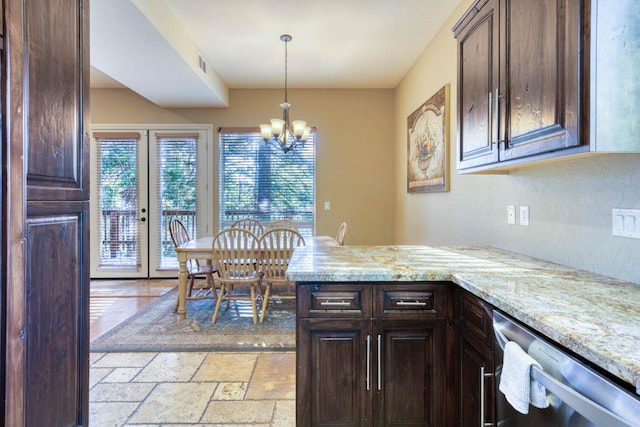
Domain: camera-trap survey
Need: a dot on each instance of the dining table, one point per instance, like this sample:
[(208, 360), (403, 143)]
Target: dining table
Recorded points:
[(201, 249)]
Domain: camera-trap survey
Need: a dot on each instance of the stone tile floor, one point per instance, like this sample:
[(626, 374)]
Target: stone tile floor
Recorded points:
[(182, 389)]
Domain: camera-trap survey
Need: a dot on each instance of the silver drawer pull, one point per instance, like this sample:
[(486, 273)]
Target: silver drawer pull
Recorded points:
[(420, 303), (335, 303)]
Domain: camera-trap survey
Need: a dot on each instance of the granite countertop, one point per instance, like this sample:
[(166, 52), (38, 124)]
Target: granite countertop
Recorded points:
[(595, 316)]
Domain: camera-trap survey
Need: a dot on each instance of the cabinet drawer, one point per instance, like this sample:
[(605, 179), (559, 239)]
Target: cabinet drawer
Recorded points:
[(475, 317), (319, 300), (396, 300)]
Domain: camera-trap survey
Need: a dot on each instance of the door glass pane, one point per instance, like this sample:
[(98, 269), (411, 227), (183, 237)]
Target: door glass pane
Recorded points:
[(178, 190), (118, 191)]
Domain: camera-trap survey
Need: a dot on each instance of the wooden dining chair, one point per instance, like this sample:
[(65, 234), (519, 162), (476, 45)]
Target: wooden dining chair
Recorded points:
[(235, 253), (281, 223), (276, 248), (342, 230), (253, 225), (195, 270)]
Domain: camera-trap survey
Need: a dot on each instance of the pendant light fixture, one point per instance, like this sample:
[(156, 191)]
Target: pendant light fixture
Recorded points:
[(281, 133)]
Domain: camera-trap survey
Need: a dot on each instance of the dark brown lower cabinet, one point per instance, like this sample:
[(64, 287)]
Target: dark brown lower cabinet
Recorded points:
[(475, 368), (372, 355)]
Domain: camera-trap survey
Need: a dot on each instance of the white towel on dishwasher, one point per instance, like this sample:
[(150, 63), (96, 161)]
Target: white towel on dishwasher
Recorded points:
[(516, 383)]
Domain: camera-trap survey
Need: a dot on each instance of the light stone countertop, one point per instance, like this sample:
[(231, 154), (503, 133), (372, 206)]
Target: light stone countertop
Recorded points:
[(595, 316)]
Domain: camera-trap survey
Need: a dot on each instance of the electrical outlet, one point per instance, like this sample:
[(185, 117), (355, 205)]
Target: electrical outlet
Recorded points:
[(524, 215), (327, 206), (511, 214)]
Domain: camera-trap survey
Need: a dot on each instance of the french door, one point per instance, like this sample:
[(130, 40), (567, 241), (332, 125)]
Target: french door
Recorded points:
[(140, 179)]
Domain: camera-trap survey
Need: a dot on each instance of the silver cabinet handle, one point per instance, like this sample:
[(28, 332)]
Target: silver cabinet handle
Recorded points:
[(497, 118), (411, 303), (490, 118), (335, 303), (482, 396), (483, 375), (368, 360), (379, 363)]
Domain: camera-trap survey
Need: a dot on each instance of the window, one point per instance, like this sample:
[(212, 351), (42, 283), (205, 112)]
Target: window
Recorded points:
[(259, 181)]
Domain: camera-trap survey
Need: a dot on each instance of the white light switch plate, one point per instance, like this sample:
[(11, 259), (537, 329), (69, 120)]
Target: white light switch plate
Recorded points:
[(524, 215), (511, 214), (625, 223)]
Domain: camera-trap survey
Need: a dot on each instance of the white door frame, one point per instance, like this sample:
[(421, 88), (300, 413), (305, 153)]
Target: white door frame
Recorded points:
[(205, 216)]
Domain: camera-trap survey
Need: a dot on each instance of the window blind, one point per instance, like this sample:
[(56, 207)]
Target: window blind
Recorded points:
[(178, 165), (258, 180), (117, 196)]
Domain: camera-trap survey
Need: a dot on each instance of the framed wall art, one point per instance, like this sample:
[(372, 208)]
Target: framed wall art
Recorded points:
[(428, 145)]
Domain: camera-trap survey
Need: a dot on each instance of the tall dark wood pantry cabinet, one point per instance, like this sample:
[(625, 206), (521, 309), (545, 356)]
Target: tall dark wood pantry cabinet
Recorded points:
[(45, 281)]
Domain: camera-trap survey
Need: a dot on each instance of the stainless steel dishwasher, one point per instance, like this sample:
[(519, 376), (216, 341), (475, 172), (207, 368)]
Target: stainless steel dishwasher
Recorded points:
[(577, 394)]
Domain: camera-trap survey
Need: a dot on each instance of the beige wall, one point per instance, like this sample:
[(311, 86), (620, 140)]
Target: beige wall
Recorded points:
[(570, 202), (355, 146), (361, 170)]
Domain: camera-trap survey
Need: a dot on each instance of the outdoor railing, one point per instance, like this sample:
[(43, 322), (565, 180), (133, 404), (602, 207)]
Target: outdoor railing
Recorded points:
[(119, 229)]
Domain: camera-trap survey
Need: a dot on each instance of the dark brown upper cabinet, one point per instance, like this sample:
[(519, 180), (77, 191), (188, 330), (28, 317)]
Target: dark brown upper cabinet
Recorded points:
[(535, 81)]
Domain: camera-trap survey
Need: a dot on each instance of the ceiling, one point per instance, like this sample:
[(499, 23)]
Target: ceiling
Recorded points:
[(156, 47)]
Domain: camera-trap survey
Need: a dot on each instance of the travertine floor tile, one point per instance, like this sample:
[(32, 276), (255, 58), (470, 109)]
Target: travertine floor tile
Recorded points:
[(230, 391), (166, 367), (285, 414), (227, 367), (120, 392), (274, 377), (124, 360), (121, 375), (249, 411), (174, 403), (110, 414), (97, 374)]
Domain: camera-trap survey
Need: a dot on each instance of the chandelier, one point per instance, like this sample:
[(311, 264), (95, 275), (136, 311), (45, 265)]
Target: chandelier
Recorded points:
[(280, 133)]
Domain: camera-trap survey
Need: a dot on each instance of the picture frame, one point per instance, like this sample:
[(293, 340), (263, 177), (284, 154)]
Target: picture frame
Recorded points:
[(428, 145)]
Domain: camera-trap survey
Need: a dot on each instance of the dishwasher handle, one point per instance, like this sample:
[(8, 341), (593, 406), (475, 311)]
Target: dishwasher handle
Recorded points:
[(588, 408)]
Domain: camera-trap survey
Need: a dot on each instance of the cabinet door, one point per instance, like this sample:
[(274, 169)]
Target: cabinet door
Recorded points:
[(476, 401), (540, 77), (333, 375), (409, 379), (478, 74), (46, 309)]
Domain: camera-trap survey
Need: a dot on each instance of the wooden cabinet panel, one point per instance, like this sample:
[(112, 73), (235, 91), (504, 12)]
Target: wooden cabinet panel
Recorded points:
[(385, 366), (478, 74), (475, 367), (411, 300), (332, 374), (331, 300), (56, 369), (408, 357), (57, 150), (476, 400), (540, 76)]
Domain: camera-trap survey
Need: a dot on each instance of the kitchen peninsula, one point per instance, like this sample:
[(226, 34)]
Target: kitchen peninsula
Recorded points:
[(595, 317)]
